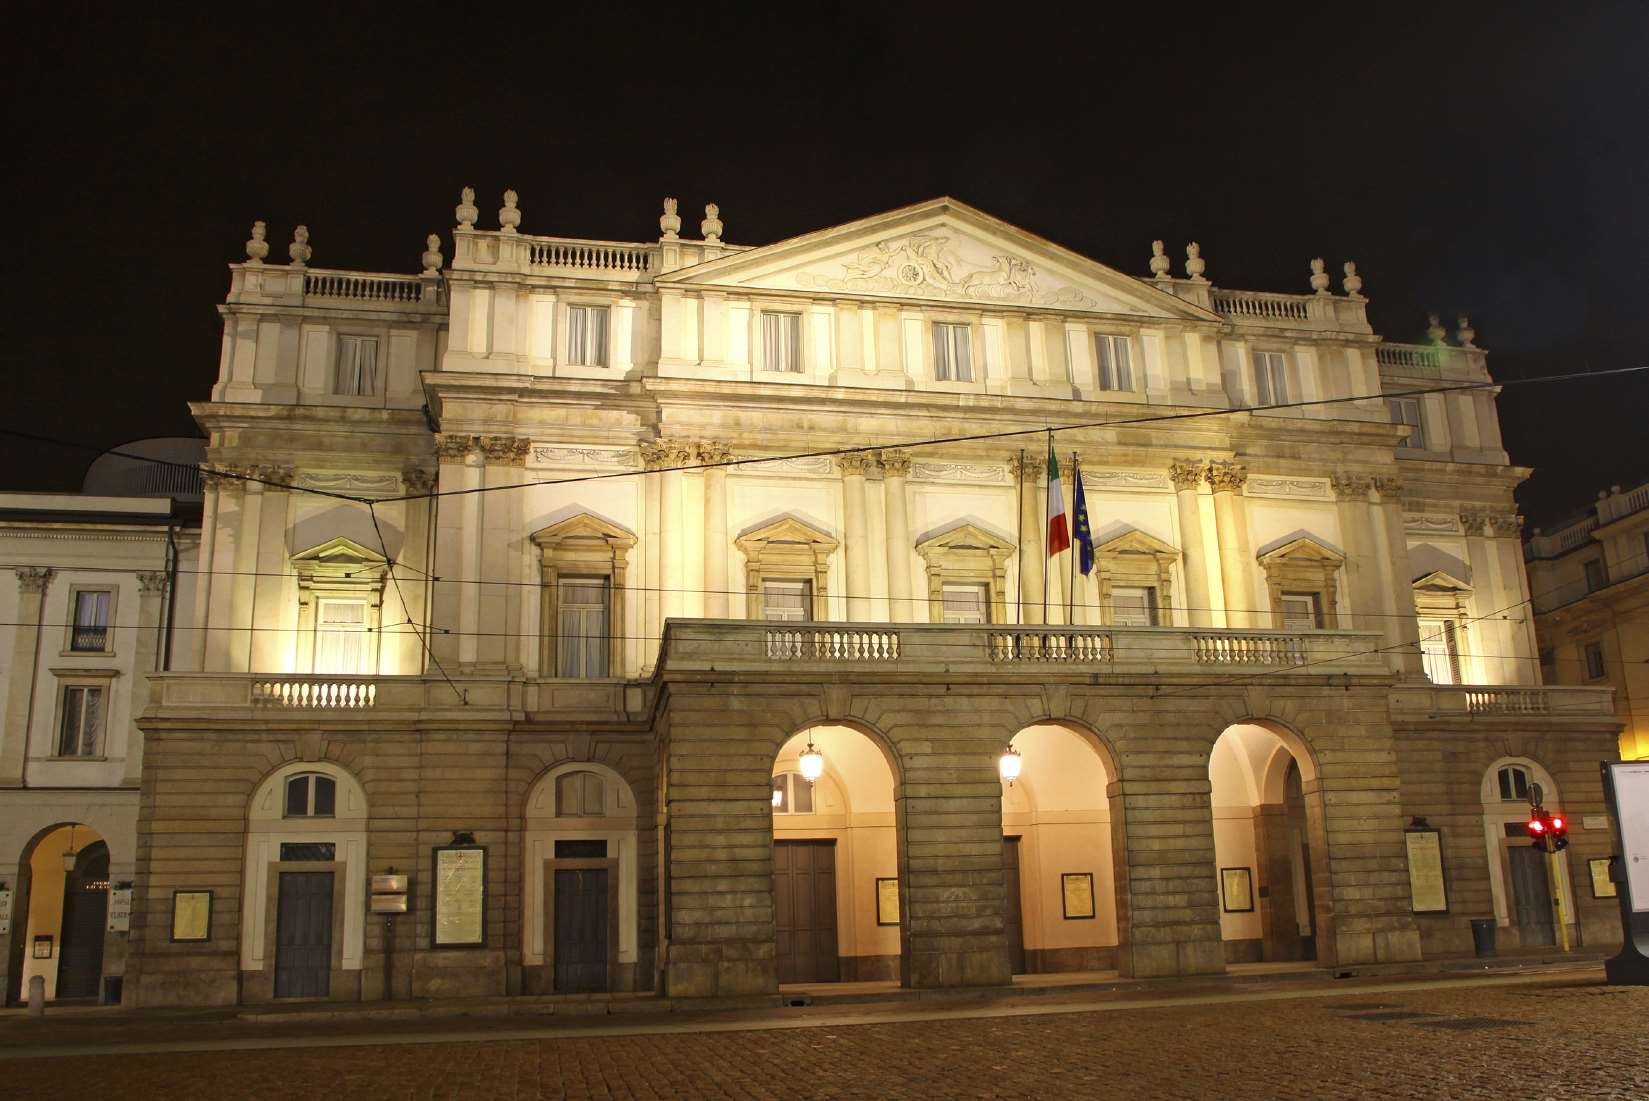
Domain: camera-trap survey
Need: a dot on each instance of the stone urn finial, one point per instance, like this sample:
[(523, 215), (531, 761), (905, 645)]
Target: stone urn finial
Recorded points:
[(1434, 329), (432, 254), (1319, 276), (299, 249), (1195, 265), (466, 211), (1464, 331), (1160, 264), (509, 216), (1353, 283), (711, 226), (256, 247), (669, 223)]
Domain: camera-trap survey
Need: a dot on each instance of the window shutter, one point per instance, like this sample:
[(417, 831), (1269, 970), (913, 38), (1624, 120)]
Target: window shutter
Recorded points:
[(1262, 380), (964, 603)]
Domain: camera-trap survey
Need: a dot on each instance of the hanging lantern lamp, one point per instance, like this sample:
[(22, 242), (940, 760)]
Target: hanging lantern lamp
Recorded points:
[(812, 763), (1009, 765), (70, 855)]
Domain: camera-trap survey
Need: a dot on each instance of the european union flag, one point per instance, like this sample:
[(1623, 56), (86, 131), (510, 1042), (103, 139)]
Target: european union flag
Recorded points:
[(1084, 536)]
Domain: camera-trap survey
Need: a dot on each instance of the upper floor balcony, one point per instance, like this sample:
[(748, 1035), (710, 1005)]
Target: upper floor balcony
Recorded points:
[(332, 288)]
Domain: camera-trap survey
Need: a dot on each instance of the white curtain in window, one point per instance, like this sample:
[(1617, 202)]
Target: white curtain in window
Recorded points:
[(82, 716), (1134, 607), (341, 638), (587, 336), (1407, 411), (952, 353), (1270, 380), (782, 342), (1115, 372), (1439, 656), (91, 620), (1300, 612), (357, 366), (786, 600), (581, 628), (967, 603)]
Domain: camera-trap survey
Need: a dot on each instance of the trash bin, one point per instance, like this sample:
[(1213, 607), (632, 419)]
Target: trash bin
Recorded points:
[(1483, 937)]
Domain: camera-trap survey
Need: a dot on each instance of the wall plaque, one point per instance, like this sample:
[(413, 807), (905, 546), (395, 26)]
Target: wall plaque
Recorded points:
[(460, 897), (887, 901), (5, 910), (1077, 895), (191, 916), (1237, 890), (1427, 889), (120, 910), (1602, 885)]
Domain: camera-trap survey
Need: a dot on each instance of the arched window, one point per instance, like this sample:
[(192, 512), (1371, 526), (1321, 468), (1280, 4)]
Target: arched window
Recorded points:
[(580, 795), (1514, 783), (792, 794), (311, 795)]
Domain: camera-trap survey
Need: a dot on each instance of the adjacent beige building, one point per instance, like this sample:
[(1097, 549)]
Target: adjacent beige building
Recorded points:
[(662, 611)]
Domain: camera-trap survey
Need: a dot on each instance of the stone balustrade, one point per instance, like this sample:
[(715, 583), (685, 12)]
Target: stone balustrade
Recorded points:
[(1428, 361), (361, 287), (1326, 312), (1455, 700), (315, 693), (572, 256), (282, 285)]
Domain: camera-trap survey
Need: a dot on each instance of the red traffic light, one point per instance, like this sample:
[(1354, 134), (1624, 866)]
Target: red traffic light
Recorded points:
[(1537, 826), (1557, 822)]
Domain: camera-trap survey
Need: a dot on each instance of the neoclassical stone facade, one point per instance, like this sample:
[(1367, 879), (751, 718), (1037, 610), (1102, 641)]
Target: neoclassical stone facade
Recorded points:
[(703, 586)]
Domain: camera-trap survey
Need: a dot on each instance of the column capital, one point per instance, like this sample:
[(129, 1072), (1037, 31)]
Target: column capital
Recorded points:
[(1507, 524), (151, 582), (1226, 477), (1187, 474), (273, 472), (505, 450), (416, 480), (895, 463), (455, 449), (1388, 486), (1349, 486), (665, 452), (33, 579), (853, 465), (712, 451), (1028, 467)]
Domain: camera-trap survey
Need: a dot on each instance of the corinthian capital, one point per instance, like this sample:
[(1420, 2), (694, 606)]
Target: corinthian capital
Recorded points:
[(1388, 486), (505, 450), (895, 463), (712, 451), (1027, 467), (1351, 487), (1507, 524), (1227, 477), (151, 582), (853, 465), (33, 579), (416, 480), (666, 453), (455, 449), (1187, 473)]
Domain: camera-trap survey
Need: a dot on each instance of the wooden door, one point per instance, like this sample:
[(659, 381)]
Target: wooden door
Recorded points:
[(804, 898), (85, 913), (580, 930), (1531, 895), (303, 935), (1013, 914)]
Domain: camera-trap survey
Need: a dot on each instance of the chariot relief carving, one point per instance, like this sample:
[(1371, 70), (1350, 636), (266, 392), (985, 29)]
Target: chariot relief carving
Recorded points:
[(928, 265)]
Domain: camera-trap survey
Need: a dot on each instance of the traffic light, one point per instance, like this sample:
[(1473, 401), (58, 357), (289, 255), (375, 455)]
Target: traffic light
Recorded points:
[(1537, 829), (1559, 832), (1549, 832)]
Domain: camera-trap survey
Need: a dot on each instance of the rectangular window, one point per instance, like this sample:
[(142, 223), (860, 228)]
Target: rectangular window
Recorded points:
[(952, 353), (967, 602), (91, 620), (1134, 606), (1407, 411), (82, 721), (582, 638), (1439, 653), (587, 336), (309, 850), (1596, 576), (1270, 379), (341, 638), (786, 600), (1115, 371), (782, 342), (1593, 652), (357, 370), (1302, 611)]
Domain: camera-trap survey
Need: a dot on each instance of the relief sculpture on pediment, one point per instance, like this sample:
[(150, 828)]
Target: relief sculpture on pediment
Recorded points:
[(928, 265)]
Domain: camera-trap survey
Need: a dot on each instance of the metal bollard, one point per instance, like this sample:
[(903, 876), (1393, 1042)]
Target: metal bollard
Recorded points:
[(37, 995)]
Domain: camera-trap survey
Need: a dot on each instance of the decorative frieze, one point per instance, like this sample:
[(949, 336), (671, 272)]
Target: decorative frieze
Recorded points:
[(1309, 489), (1147, 480), (974, 473), (364, 484), (620, 458), (928, 265), (1427, 523)]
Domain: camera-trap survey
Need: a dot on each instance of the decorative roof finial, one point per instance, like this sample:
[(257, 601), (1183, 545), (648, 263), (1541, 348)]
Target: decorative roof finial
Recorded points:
[(1319, 277), (256, 247), (1195, 265), (1464, 331), (508, 215), (1434, 329), (1353, 282), (299, 249), (466, 211), (669, 223), (711, 226), (1160, 264), (432, 254)]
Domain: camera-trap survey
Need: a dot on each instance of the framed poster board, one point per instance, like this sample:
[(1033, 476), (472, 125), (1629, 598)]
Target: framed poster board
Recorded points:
[(1076, 892), (1602, 885), (459, 873), (120, 910), (1427, 888), (1237, 890), (887, 901), (1631, 807), (191, 916)]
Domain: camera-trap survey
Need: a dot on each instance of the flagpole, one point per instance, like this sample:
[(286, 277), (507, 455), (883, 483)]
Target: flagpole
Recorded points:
[(1047, 491), (1019, 525), (1070, 591)]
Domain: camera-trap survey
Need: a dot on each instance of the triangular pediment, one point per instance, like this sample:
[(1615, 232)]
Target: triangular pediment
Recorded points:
[(1303, 548), (939, 251), (339, 555), (787, 530), (585, 525), (1134, 541), (965, 536), (1438, 581)]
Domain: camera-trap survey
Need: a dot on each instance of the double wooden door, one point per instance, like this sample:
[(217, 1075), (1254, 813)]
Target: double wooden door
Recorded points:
[(85, 913), (581, 929), (1531, 895), (303, 935), (804, 898)]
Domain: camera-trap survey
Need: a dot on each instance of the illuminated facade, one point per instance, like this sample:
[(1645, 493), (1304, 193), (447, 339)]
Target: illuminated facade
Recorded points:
[(686, 526)]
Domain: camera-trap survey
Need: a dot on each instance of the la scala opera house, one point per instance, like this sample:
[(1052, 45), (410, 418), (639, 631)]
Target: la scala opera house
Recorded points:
[(677, 617)]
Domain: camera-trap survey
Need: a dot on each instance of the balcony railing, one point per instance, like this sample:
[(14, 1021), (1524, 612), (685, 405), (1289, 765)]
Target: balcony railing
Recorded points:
[(360, 287), (321, 693), (284, 284), (1260, 306), (1485, 700), (547, 255)]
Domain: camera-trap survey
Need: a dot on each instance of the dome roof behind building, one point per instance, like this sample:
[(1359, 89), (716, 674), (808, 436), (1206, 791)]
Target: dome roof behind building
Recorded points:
[(122, 471)]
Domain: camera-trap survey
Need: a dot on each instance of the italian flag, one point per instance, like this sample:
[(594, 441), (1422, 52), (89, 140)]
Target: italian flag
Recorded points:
[(1059, 529)]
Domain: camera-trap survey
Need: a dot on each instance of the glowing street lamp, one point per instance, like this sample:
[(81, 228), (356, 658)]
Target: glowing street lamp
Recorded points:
[(69, 854), (1009, 765), (812, 763)]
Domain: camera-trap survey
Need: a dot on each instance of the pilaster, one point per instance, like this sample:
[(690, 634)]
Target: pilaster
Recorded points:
[(717, 600), (32, 582), (856, 534), (895, 469), (1388, 519), (1187, 476), (1027, 468), (151, 598), (1226, 479)]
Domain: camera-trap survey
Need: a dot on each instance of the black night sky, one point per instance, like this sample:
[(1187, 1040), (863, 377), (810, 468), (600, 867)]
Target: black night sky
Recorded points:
[(1493, 161)]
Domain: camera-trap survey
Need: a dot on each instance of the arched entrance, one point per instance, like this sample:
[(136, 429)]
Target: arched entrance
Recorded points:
[(1059, 884), (59, 914), (837, 894), (580, 909), (1269, 857), (1520, 875)]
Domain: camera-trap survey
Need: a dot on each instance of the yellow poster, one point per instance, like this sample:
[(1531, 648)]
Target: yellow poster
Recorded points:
[(1426, 885)]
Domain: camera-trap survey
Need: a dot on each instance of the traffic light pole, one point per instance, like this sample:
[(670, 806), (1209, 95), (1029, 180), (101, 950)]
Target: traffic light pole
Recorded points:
[(1554, 873)]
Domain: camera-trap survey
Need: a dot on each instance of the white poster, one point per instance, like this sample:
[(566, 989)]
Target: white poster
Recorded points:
[(1632, 805), (120, 910), (5, 911)]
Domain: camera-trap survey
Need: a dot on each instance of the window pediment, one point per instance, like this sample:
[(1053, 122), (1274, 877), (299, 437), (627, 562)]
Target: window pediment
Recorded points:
[(966, 537), (786, 548), (1134, 541), (585, 527), (1440, 582), (338, 559), (1302, 549), (786, 530)]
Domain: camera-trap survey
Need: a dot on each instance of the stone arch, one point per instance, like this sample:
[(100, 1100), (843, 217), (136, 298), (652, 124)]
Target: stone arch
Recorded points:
[(268, 829), (561, 838), (1505, 842), (40, 903)]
